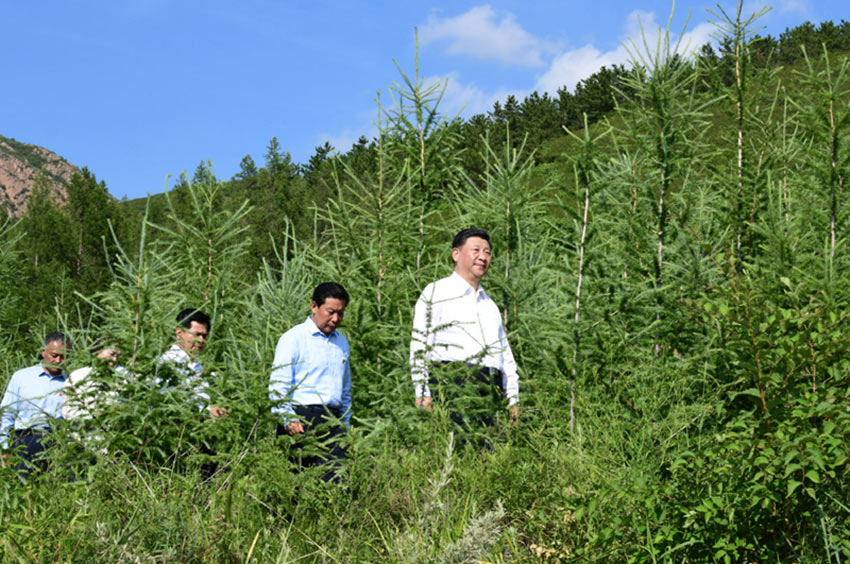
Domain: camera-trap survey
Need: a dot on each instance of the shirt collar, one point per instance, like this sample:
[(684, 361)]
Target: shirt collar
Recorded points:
[(464, 286), (44, 372), (314, 329), (182, 355)]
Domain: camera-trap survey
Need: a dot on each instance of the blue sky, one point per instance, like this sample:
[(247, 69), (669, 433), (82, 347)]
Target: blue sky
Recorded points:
[(140, 89)]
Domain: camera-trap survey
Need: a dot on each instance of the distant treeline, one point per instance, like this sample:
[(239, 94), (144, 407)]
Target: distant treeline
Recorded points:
[(671, 278), (63, 247)]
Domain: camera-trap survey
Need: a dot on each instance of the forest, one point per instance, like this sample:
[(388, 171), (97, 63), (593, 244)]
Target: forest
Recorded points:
[(668, 243)]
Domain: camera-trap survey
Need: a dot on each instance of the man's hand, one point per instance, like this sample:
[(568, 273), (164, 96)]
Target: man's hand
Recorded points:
[(425, 403), (514, 410), (217, 411), (294, 428)]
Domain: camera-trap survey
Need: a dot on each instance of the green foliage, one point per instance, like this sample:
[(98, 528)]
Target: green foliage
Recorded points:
[(825, 119), (45, 249), (90, 210), (10, 271), (746, 100), (505, 200), (766, 482), (672, 285), (420, 145)]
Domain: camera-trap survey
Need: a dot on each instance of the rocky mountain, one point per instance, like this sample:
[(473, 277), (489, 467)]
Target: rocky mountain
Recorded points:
[(20, 163)]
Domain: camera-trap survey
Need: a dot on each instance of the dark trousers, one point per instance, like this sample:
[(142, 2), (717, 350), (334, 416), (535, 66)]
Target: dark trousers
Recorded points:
[(28, 445), (320, 443), (472, 394)]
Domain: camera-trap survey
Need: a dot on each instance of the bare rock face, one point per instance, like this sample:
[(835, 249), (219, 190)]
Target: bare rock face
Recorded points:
[(20, 163)]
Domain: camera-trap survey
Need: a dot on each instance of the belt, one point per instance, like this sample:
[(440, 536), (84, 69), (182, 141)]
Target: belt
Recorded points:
[(484, 374), (468, 365), (30, 432), (336, 411)]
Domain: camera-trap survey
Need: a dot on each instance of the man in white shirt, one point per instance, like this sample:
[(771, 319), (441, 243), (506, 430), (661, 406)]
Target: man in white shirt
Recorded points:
[(89, 390), (456, 324), (193, 327), (85, 395)]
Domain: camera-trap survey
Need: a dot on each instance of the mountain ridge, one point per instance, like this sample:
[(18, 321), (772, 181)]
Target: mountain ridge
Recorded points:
[(20, 165)]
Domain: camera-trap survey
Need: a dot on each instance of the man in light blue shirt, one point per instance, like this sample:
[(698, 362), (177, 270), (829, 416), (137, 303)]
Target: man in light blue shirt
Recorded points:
[(33, 398), (311, 376)]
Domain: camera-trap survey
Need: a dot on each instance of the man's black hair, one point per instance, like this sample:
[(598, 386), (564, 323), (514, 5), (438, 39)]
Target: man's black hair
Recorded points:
[(102, 342), (327, 290), (187, 316), (60, 337), (465, 234)]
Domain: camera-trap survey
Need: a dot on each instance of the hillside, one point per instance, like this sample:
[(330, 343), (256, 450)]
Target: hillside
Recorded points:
[(670, 281), (20, 164)]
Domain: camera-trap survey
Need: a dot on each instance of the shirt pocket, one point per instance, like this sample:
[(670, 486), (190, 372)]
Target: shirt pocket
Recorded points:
[(337, 358), (323, 356)]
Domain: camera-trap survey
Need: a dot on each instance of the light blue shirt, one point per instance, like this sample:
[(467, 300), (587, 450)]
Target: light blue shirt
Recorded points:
[(311, 368), (32, 398)]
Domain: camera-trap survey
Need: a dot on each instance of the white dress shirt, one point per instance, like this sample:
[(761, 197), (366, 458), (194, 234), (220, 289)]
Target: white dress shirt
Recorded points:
[(87, 395), (80, 403), (190, 369), (453, 322)]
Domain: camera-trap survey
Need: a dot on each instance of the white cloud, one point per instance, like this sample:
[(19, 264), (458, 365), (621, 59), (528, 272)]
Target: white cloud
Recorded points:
[(641, 33), (802, 7), (342, 141), (465, 99), (459, 97), (477, 33), (637, 21), (568, 68), (698, 36)]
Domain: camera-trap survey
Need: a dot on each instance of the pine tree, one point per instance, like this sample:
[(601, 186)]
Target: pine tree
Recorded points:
[(90, 208), (420, 145), (664, 129), (47, 248)]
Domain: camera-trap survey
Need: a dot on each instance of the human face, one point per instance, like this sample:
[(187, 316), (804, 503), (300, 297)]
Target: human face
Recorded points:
[(110, 355), (328, 316), (472, 260), (53, 356), (192, 340)]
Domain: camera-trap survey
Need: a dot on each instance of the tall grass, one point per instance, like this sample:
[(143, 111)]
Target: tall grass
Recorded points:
[(683, 366)]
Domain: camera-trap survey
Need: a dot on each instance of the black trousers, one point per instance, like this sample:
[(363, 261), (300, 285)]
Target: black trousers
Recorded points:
[(472, 394), (28, 445), (319, 445)]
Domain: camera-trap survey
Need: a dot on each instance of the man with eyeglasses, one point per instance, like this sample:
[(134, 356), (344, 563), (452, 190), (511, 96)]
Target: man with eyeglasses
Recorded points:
[(193, 328)]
